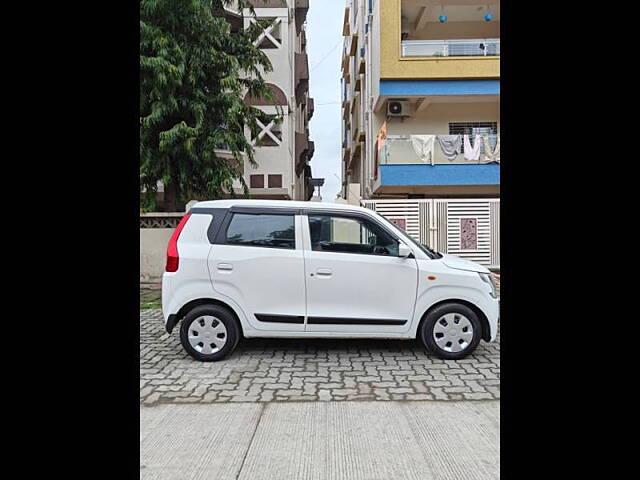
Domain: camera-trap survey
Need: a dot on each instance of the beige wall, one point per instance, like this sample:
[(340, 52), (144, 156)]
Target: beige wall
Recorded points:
[(153, 251), (345, 230), (435, 119), (280, 159)]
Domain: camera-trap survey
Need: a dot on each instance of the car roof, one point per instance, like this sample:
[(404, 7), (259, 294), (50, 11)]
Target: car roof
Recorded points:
[(278, 203)]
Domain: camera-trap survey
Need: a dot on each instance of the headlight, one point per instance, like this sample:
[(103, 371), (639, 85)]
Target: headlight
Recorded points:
[(488, 278)]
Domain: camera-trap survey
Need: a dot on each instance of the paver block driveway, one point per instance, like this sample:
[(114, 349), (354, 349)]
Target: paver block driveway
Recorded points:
[(272, 370)]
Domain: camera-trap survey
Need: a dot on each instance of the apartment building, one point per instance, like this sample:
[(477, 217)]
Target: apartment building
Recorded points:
[(421, 99), (283, 149)]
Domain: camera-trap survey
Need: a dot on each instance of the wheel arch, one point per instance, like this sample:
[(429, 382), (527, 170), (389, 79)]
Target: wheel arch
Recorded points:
[(206, 301), (484, 321)]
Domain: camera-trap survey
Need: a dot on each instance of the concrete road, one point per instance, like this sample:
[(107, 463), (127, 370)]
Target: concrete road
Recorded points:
[(321, 440)]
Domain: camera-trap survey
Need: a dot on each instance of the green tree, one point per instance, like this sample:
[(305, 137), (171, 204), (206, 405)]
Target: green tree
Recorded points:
[(194, 73)]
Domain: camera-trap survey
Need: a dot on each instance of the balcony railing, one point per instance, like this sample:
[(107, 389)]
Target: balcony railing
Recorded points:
[(403, 149), (451, 48)]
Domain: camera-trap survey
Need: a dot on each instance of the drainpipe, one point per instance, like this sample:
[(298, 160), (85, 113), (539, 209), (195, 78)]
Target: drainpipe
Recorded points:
[(369, 81)]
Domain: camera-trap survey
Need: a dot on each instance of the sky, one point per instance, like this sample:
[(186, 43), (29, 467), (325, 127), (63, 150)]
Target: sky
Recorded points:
[(324, 48)]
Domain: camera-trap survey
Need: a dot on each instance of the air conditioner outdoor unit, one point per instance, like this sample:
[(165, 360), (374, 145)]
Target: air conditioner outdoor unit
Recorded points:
[(398, 109)]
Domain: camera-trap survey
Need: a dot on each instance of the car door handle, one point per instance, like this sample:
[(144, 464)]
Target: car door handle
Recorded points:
[(324, 272), (225, 267)]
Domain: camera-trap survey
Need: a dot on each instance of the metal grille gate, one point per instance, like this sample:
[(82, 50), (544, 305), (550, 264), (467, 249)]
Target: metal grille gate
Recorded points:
[(468, 228)]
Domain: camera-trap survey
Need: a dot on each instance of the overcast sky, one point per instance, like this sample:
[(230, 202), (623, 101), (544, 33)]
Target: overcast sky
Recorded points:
[(324, 47)]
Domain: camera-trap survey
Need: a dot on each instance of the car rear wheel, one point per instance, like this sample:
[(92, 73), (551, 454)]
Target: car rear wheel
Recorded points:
[(451, 331), (209, 333)]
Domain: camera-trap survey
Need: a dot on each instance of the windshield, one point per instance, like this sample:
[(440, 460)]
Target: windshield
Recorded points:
[(431, 253)]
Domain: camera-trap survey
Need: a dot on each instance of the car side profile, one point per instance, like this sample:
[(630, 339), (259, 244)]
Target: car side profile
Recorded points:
[(264, 268)]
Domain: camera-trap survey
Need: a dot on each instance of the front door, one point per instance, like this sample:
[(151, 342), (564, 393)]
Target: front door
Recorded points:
[(257, 261), (356, 282)]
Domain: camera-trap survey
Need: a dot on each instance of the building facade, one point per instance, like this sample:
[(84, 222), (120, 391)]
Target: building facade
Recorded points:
[(283, 149), (420, 99)]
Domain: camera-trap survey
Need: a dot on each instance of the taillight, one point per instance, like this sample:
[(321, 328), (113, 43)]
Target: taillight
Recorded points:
[(173, 259)]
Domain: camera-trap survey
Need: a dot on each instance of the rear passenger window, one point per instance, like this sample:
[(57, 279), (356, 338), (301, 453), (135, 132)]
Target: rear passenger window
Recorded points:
[(262, 230)]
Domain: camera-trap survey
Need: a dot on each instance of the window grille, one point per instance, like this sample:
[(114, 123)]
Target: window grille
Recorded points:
[(475, 128)]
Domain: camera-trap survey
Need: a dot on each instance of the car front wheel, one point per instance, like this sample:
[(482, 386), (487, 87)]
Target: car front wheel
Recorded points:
[(451, 331)]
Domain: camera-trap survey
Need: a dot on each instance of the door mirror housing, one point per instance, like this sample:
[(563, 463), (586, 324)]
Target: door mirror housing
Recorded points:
[(403, 250)]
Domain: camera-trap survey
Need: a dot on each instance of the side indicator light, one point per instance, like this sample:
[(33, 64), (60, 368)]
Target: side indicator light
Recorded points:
[(431, 277)]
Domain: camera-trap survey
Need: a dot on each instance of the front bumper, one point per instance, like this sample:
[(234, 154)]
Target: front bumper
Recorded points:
[(493, 317)]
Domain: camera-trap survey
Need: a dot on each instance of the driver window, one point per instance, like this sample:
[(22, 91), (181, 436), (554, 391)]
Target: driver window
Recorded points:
[(350, 235)]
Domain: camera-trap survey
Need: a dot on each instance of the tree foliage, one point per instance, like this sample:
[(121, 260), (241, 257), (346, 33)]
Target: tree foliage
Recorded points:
[(194, 73)]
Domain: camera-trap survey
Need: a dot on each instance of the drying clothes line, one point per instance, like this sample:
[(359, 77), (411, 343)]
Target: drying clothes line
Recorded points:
[(472, 153), (490, 155), (423, 146), (451, 145)]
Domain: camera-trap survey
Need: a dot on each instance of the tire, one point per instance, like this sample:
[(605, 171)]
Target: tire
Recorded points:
[(456, 340), (219, 331)]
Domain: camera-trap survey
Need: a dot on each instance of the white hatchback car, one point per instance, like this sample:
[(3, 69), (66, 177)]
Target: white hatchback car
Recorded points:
[(261, 268)]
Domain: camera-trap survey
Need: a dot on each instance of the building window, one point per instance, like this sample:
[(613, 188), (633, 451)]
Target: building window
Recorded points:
[(475, 128), (256, 181), (262, 230), (275, 181)]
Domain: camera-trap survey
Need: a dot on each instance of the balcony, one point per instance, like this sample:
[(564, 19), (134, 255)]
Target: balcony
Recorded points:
[(403, 150), (310, 108), (425, 170), (451, 48), (346, 145), (439, 39), (363, 64), (353, 45), (301, 150), (301, 9), (301, 72), (345, 22), (269, 3), (311, 150)]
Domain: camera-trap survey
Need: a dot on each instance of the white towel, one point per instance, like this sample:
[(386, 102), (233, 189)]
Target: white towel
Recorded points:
[(472, 153), (423, 146), (490, 156)]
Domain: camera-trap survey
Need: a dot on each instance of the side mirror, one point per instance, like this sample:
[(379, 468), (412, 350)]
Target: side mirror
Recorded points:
[(403, 250)]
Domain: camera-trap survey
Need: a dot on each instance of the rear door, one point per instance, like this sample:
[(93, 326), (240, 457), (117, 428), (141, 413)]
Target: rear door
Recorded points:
[(356, 282), (257, 261)]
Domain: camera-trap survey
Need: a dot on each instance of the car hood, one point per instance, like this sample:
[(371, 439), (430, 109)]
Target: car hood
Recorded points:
[(457, 263)]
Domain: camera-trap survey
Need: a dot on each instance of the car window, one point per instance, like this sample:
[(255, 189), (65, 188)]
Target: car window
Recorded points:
[(262, 230), (331, 233)]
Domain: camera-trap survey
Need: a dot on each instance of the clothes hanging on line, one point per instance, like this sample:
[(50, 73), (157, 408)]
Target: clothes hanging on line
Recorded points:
[(472, 153), (423, 146), (489, 154), (451, 145)]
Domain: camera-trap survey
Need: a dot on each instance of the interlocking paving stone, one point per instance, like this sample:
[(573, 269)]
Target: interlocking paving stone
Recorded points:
[(280, 370)]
